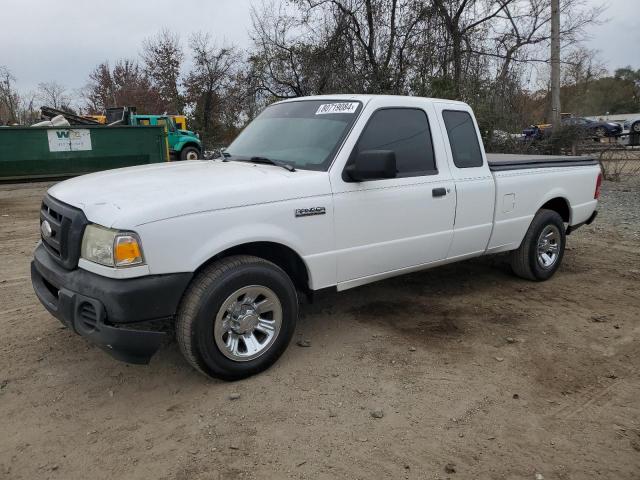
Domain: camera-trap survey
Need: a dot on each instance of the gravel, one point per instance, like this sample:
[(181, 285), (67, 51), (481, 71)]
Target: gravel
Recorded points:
[(620, 206)]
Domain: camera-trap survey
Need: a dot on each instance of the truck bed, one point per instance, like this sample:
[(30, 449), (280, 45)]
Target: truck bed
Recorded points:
[(507, 161)]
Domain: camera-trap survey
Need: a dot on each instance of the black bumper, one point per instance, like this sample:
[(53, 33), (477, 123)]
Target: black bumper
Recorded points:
[(103, 310)]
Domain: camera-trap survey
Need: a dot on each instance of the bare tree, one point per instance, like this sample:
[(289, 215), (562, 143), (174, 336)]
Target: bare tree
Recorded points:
[(28, 111), (9, 97), (524, 26), (99, 92), (276, 61), (125, 85), (52, 94), (480, 51), (163, 57), (581, 66), (212, 73), (461, 18), (379, 37), (319, 46)]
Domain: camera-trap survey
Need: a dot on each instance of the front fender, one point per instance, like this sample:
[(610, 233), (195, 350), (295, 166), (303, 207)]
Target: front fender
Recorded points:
[(187, 141), (186, 242)]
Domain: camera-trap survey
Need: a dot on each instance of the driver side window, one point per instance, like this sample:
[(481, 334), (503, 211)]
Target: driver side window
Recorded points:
[(406, 132)]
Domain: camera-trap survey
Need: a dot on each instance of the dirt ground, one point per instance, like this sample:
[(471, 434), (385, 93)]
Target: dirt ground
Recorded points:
[(470, 368)]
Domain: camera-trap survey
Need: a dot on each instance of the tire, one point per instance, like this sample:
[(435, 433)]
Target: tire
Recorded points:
[(527, 261), (601, 132), (200, 323), (635, 127), (190, 153)]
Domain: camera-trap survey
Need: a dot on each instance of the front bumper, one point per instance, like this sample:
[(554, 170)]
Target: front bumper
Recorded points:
[(103, 310)]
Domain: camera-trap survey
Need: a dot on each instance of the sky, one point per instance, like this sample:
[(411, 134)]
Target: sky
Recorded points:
[(63, 40)]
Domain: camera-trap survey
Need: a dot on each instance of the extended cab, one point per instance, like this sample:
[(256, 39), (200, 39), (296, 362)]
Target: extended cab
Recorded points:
[(316, 192)]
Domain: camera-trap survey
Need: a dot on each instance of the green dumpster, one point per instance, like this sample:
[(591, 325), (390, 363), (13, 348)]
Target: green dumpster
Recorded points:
[(40, 152)]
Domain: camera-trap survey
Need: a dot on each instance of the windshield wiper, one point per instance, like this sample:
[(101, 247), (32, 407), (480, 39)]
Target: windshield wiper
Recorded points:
[(228, 157), (270, 161)]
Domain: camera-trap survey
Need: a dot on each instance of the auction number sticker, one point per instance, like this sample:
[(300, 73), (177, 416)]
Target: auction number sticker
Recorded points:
[(345, 107)]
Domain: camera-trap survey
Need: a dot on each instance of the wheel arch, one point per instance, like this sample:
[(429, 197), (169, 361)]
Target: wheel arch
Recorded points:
[(189, 144), (283, 256), (560, 205)]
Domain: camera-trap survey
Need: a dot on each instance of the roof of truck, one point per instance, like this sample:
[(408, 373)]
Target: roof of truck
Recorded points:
[(364, 98)]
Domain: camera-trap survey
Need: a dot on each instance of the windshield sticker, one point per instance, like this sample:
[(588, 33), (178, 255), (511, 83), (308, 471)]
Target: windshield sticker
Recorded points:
[(346, 107)]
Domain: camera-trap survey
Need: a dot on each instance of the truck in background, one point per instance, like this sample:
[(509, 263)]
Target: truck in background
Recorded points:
[(179, 120), (183, 144)]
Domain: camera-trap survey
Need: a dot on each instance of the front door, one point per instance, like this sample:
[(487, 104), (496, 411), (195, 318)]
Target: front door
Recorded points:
[(384, 226)]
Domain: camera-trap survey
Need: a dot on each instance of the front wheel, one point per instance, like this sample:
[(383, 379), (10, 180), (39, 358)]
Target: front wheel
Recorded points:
[(636, 127), (601, 132), (541, 251), (190, 153), (237, 317)]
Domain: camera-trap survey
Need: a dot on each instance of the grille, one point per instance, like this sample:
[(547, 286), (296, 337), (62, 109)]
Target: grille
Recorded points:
[(66, 225), (55, 219)]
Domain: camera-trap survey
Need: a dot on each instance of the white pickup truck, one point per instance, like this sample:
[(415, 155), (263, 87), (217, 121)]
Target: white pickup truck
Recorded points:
[(317, 192)]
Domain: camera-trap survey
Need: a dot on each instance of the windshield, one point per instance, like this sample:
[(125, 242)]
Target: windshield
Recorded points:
[(305, 134), (168, 121)]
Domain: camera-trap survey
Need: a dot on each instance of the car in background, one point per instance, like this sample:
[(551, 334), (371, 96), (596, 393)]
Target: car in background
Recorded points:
[(632, 125), (536, 132), (590, 128), (593, 128)]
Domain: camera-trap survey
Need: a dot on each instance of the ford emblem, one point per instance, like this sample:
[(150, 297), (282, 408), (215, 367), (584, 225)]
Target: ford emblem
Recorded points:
[(45, 228)]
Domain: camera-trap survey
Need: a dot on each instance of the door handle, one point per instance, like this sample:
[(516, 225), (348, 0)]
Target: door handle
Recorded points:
[(439, 192)]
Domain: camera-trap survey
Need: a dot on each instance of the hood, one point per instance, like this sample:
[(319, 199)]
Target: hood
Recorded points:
[(127, 197), (187, 132)]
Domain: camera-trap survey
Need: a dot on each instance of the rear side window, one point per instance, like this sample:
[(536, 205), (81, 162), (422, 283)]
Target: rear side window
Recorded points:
[(462, 138), (404, 131)]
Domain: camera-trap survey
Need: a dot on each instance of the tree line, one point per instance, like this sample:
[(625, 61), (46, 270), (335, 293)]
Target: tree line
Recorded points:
[(490, 53)]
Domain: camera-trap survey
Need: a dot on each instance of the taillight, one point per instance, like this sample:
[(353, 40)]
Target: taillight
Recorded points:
[(596, 194)]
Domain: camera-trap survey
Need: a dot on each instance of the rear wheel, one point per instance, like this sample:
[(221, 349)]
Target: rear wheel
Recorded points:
[(636, 127), (601, 132), (237, 317), (190, 153), (541, 251)]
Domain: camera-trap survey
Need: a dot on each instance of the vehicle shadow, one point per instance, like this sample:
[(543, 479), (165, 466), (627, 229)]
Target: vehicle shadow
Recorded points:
[(427, 305)]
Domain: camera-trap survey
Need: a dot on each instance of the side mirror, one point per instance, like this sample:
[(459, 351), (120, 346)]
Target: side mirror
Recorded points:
[(373, 165)]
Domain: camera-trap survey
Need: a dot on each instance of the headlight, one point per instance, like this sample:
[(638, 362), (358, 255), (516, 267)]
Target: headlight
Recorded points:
[(112, 248)]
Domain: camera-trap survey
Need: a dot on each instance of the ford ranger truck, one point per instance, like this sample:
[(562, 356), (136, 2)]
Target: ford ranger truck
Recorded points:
[(317, 192)]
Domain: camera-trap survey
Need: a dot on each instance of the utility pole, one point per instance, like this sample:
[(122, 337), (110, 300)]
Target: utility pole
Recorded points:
[(555, 63)]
